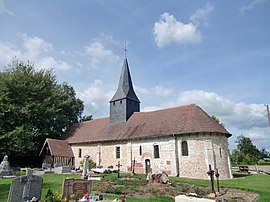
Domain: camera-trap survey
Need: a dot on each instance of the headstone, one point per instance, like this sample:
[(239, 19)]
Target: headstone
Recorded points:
[(75, 187), (25, 188), (62, 169), (5, 167), (85, 171)]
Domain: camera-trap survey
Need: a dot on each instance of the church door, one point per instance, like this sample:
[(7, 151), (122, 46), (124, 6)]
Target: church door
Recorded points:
[(147, 166)]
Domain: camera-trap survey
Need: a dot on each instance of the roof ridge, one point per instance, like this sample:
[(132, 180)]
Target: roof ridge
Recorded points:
[(165, 109)]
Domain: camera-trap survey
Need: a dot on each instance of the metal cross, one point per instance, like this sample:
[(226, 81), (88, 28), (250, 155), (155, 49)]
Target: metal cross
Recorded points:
[(217, 176), (211, 174), (125, 49), (118, 165)]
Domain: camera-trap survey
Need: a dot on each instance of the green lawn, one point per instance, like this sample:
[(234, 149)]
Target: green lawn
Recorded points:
[(254, 183)]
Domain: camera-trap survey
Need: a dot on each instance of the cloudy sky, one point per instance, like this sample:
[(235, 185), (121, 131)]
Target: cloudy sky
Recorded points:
[(212, 53)]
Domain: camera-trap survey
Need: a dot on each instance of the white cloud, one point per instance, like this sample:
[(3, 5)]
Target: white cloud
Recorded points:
[(98, 54), (7, 52), (96, 98), (201, 14), (3, 8), (163, 92), (239, 115), (34, 49), (168, 30), (252, 5)]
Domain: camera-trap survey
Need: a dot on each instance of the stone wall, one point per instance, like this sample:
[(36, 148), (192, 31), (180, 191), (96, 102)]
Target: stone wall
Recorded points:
[(203, 149)]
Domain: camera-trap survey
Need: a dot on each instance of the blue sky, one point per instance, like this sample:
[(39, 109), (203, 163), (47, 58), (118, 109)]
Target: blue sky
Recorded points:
[(212, 53)]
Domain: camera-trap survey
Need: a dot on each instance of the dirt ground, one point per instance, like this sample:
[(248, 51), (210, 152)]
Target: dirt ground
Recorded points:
[(159, 189)]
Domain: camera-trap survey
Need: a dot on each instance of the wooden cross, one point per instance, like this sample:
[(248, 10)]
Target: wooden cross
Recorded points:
[(27, 187), (118, 166)]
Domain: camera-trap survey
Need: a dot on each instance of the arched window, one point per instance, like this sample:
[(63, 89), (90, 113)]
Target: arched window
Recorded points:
[(184, 148)]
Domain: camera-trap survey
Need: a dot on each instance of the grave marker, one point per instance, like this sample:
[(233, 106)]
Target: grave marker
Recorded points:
[(25, 188), (76, 187)]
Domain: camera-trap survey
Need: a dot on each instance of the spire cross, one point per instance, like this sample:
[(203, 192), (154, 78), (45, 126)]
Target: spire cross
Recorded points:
[(125, 49)]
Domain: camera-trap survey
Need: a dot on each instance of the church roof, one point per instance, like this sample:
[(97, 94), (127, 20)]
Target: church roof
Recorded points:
[(178, 120), (58, 147), (125, 87)]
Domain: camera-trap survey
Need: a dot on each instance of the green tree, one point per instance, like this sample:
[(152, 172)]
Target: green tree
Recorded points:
[(33, 107), (246, 152), (86, 118), (264, 153), (218, 121)]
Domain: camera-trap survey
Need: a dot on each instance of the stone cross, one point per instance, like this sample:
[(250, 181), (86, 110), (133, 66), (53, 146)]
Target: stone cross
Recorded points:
[(85, 171), (118, 170), (24, 188), (211, 174), (27, 186)]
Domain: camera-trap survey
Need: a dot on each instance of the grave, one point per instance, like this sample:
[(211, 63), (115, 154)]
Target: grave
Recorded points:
[(75, 187), (85, 172), (24, 188), (62, 169), (5, 167), (184, 198)]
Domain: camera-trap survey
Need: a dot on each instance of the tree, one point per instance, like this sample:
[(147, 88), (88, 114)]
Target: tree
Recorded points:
[(33, 107), (264, 153), (86, 118), (246, 152), (218, 121)]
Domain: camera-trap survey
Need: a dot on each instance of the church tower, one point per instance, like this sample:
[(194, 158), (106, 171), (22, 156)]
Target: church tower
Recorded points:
[(125, 101)]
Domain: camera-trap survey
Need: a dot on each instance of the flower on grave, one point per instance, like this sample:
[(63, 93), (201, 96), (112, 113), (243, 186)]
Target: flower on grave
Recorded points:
[(87, 196), (34, 199), (72, 196)]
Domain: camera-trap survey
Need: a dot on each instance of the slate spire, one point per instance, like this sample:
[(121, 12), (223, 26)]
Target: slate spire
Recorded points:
[(125, 101)]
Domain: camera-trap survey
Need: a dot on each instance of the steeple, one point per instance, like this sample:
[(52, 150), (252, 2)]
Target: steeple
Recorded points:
[(125, 101)]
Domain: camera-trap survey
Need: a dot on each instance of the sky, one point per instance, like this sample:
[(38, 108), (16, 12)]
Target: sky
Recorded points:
[(215, 54)]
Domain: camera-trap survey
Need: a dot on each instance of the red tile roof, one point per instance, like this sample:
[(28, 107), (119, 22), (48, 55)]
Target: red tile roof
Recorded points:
[(58, 147), (177, 120)]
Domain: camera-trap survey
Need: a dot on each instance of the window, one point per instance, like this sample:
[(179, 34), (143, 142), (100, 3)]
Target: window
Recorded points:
[(117, 152), (113, 103), (120, 101), (220, 152), (156, 151), (140, 150), (184, 148), (80, 153)]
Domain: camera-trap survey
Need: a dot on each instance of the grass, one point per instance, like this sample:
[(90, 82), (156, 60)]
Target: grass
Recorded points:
[(254, 183)]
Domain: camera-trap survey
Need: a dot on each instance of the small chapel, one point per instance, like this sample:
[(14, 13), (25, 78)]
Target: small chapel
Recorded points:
[(181, 141)]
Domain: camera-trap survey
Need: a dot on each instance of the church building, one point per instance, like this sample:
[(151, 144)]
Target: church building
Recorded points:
[(181, 141)]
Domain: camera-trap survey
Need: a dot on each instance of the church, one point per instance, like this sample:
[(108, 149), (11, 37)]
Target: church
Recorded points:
[(181, 141)]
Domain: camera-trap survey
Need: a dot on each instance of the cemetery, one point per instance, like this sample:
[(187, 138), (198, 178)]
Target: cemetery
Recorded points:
[(34, 185)]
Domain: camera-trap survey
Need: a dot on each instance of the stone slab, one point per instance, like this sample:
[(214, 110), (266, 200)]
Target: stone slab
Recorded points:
[(184, 198)]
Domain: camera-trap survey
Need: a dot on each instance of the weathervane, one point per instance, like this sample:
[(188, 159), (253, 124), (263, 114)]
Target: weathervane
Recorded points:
[(125, 49)]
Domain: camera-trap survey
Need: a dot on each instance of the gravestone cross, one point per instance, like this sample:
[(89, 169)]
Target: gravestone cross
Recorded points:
[(27, 186), (24, 188), (118, 170), (211, 174)]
